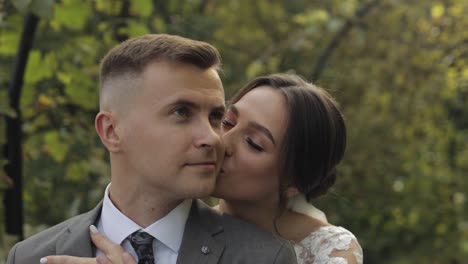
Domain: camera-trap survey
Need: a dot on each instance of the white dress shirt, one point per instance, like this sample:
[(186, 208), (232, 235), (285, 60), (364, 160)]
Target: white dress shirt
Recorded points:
[(167, 231)]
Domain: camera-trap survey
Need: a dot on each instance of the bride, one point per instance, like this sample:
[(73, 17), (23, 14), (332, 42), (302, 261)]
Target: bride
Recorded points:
[(284, 138)]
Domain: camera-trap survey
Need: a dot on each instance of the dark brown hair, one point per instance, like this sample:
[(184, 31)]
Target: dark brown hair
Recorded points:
[(315, 138), (133, 55)]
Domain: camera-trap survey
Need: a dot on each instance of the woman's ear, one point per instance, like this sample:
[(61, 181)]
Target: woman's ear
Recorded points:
[(291, 191), (106, 129)]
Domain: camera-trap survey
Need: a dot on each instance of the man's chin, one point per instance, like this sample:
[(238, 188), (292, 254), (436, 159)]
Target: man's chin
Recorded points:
[(204, 191)]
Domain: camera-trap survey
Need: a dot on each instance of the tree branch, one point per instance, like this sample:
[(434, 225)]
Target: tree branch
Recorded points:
[(336, 40), (122, 21), (14, 196), (160, 8), (202, 7)]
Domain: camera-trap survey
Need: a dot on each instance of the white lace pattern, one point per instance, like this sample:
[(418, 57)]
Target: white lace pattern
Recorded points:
[(318, 246)]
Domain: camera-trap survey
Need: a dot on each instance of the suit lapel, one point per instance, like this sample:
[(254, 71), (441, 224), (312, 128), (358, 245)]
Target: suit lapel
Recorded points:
[(203, 240), (75, 241)]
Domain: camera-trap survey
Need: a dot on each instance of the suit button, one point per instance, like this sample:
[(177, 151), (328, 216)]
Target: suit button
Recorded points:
[(205, 250)]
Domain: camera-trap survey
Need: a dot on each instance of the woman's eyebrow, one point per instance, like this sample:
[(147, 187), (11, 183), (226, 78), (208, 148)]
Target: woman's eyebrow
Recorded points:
[(263, 130), (255, 125)]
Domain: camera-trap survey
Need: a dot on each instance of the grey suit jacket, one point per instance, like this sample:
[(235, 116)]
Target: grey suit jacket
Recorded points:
[(208, 238)]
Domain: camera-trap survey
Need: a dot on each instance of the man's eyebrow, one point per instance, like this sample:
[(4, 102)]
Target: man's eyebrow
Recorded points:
[(191, 104), (184, 102), (255, 125), (220, 108)]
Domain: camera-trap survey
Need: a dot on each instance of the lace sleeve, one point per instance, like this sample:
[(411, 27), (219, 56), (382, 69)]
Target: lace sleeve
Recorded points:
[(329, 245)]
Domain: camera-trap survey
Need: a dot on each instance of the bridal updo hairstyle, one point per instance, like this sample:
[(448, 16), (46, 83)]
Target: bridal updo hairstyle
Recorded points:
[(315, 138)]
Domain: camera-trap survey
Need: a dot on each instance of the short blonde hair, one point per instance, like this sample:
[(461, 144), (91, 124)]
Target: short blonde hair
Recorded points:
[(126, 62)]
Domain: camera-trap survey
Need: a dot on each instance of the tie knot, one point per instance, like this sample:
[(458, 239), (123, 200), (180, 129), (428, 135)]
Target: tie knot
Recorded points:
[(142, 242), (141, 238)]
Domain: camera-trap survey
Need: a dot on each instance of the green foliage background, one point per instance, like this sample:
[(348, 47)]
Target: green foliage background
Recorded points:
[(399, 69)]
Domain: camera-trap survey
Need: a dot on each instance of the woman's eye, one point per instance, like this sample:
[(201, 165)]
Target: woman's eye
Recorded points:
[(254, 145)]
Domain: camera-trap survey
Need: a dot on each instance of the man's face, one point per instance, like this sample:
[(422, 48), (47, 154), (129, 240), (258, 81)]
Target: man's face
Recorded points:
[(170, 136)]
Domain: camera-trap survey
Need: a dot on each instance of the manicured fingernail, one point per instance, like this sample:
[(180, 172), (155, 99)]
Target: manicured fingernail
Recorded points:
[(43, 260), (93, 229)]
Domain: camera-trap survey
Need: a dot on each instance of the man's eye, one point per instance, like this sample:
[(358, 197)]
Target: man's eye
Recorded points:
[(182, 112), (216, 116), (227, 124)]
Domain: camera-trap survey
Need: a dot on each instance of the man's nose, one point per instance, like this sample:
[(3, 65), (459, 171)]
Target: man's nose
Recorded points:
[(208, 136)]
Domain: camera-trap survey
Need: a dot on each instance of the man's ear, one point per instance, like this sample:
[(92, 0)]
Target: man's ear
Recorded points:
[(291, 191), (106, 129)]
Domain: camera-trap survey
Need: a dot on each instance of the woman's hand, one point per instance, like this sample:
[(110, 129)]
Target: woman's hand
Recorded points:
[(112, 253)]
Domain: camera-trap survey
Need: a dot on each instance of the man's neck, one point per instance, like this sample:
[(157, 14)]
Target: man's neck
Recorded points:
[(142, 206)]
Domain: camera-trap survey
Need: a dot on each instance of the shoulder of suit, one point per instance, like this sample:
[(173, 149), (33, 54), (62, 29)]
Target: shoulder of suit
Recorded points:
[(45, 241), (235, 226), (207, 217), (256, 245), (252, 236), (240, 227)]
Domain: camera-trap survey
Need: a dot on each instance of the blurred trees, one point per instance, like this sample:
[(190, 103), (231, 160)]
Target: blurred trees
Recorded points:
[(398, 68)]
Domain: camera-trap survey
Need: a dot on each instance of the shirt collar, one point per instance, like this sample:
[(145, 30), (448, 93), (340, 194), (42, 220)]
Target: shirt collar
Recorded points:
[(169, 230)]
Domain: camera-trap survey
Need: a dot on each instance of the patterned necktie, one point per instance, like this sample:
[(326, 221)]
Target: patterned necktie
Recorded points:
[(142, 242)]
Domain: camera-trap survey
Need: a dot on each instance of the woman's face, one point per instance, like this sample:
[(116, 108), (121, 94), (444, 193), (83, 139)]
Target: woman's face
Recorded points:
[(253, 130)]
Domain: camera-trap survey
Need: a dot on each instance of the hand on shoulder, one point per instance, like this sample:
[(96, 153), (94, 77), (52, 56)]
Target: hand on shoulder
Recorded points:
[(112, 253)]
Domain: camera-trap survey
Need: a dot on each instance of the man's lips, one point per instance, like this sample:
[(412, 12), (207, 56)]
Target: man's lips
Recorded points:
[(205, 165), (202, 163)]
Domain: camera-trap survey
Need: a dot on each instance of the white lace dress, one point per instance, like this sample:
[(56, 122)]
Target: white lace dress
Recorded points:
[(326, 245), (317, 248)]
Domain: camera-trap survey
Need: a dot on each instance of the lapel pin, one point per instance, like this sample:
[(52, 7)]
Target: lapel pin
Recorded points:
[(205, 250)]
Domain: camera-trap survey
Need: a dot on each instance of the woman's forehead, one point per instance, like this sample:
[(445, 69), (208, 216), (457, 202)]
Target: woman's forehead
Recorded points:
[(265, 106)]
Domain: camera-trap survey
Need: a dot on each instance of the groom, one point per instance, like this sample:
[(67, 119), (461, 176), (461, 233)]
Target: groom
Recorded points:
[(161, 105)]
